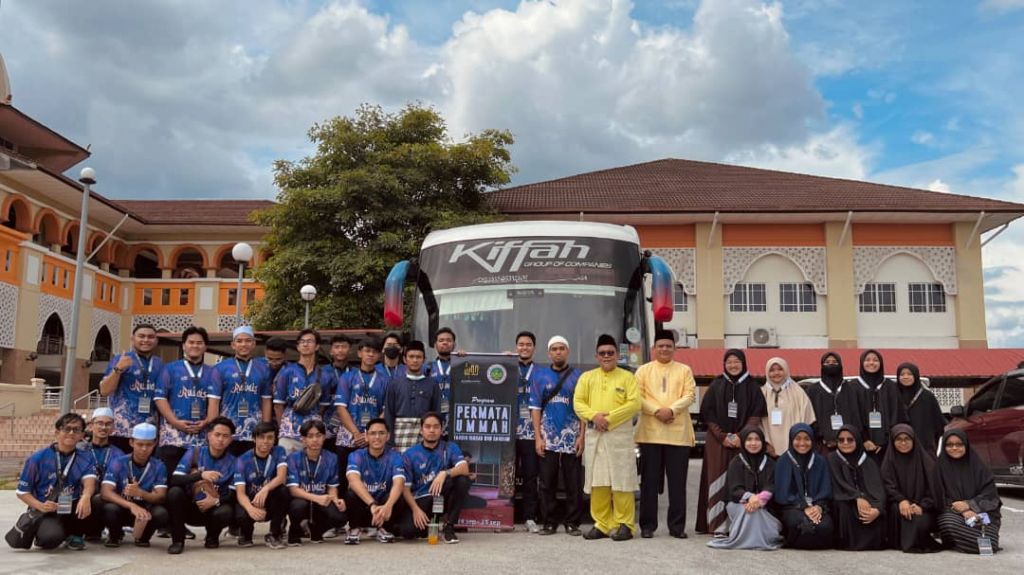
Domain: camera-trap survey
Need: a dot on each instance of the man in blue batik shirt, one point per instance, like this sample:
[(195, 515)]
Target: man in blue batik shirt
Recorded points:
[(558, 437), (129, 384), (435, 469), (440, 369), (313, 484), (103, 452), (181, 398), (292, 381), (260, 476), (527, 462), (58, 482), (376, 481), (134, 491), (360, 398), (241, 389), (339, 350), (201, 487)]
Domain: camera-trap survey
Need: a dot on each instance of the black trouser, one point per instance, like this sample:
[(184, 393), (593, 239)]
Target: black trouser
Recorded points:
[(359, 514), (570, 468), (183, 509), (121, 443), (94, 522), (657, 463), (170, 455), (343, 453), (238, 447), (527, 469), (455, 492), (276, 507), (53, 529), (116, 518), (320, 518)]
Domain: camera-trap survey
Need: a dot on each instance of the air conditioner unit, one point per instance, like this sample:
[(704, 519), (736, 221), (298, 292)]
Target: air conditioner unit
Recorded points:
[(762, 337), (682, 338)]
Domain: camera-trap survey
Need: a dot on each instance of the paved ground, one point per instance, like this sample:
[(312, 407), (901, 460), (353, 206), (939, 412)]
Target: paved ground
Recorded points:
[(516, 553)]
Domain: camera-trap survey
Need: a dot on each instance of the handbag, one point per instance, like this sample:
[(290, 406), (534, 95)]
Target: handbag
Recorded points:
[(309, 399), (23, 533)]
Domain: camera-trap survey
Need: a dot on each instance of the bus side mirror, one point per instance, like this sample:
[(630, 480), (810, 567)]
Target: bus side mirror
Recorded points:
[(957, 411), (394, 295), (661, 288)]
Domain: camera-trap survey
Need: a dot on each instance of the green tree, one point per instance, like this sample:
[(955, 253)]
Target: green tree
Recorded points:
[(377, 184)]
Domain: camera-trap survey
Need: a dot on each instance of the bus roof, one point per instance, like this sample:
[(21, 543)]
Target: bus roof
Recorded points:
[(542, 229)]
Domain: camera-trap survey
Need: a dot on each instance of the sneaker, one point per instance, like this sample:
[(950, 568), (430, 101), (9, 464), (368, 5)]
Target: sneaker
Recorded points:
[(112, 543), (383, 536), (573, 530), (594, 534), (141, 543), (448, 535), (188, 534), (176, 548), (295, 542), (211, 543), (548, 530), (623, 533), (353, 536), (164, 533), (305, 528), (245, 541), (531, 526), (76, 542), (332, 533), (273, 541)]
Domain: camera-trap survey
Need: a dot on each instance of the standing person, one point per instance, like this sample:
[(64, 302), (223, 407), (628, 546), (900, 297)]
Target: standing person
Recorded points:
[(607, 399), (923, 411), (410, 395), (558, 437), (391, 365), (970, 505), (787, 405), (103, 452), (435, 469), (134, 491), (376, 481), (299, 391), (201, 487), (241, 390), (912, 487), (313, 484), (58, 482), (129, 384), (526, 464), (732, 402), (274, 354), (665, 435), (836, 402), (260, 491), (886, 409), (858, 494), (751, 480), (181, 398), (803, 492), (441, 368), (341, 345), (359, 399)]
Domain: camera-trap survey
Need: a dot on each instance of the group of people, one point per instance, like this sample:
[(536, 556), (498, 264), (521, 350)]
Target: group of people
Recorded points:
[(850, 463), (326, 450), (314, 450)]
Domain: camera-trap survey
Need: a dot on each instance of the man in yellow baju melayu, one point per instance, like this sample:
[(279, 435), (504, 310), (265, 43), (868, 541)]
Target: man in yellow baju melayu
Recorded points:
[(607, 399)]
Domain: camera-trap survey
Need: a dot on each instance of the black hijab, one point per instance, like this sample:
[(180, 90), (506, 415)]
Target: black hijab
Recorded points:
[(750, 472), (907, 393), (855, 475), (967, 478), (742, 389), (832, 375), (910, 476), (923, 411), (872, 379)]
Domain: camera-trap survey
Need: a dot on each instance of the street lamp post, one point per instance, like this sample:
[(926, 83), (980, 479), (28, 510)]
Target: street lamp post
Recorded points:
[(88, 178), (242, 252), (308, 294)]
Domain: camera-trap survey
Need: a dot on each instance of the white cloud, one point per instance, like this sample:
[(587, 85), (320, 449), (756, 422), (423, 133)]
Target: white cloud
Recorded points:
[(923, 138), (937, 185), (835, 153), (1001, 6)]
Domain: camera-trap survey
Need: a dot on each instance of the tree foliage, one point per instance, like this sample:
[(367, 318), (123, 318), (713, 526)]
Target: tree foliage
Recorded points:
[(376, 185)]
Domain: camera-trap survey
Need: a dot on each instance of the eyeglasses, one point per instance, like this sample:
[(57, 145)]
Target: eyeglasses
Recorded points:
[(72, 429), (376, 433), (903, 439), (103, 424), (846, 440), (307, 342), (606, 353), (954, 446)]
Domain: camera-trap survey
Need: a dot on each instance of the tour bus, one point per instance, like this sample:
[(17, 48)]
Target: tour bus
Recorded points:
[(579, 280)]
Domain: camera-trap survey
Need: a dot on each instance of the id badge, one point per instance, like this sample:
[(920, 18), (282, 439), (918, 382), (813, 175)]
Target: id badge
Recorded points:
[(364, 418), (438, 507), (524, 412), (196, 415), (809, 501), (64, 506), (875, 420), (837, 421), (984, 546), (243, 409), (734, 409), (144, 404), (776, 417), (444, 407)]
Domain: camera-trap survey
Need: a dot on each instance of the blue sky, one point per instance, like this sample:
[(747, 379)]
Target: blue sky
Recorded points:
[(188, 98)]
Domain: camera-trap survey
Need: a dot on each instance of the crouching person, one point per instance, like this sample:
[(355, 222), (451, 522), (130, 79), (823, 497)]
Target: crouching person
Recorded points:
[(201, 487), (57, 483), (313, 484), (437, 473), (376, 480), (260, 476), (134, 490)]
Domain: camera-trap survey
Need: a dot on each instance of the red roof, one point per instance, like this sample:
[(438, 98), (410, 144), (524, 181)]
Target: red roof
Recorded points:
[(804, 363), (686, 186), (211, 212)]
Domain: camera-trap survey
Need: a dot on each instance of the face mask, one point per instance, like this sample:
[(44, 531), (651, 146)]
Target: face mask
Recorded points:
[(832, 370), (391, 352)]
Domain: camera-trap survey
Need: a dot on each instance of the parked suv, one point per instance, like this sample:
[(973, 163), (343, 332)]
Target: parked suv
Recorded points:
[(994, 422)]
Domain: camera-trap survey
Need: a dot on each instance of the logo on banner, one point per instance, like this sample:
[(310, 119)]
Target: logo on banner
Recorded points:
[(497, 374), (493, 255)]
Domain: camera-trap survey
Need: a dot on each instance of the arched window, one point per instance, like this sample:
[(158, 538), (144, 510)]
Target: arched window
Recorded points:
[(146, 264), (188, 264), (52, 340), (102, 345)]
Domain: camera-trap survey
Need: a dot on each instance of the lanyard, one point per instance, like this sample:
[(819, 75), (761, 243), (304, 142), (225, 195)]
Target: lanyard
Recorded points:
[(195, 376), (777, 392), (525, 379), (874, 392), (270, 459), (835, 396), (310, 478), (732, 385), (131, 472), (106, 454), (388, 369), (242, 375), (362, 379), (147, 369), (916, 395), (64, 474), (441, 370)]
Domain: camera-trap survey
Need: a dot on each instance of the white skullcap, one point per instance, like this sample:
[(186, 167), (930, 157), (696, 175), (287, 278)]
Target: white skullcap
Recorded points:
[(558, 339), (103, 412)]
